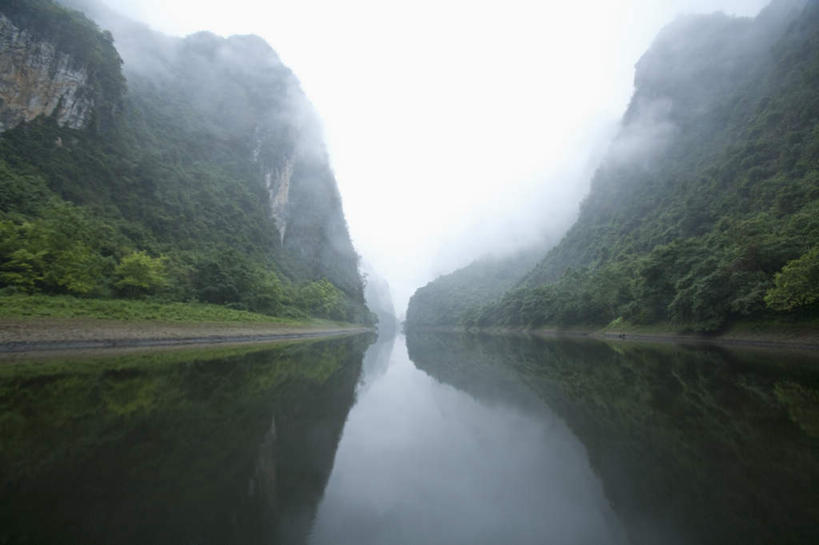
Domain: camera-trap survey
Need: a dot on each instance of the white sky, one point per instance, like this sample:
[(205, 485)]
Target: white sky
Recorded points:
[(455, 127)]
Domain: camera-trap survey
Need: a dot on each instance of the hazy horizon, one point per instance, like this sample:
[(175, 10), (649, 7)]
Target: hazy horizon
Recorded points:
[(454, 130)]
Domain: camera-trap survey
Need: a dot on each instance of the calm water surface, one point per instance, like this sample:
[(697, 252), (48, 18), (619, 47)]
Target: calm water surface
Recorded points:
[(430, 439), (421, 461)]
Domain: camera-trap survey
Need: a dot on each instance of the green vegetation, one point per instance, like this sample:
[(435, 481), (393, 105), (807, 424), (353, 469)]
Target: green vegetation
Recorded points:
[(797, 285), (451, 298), (713, 222), (66, 306), (140, 274), (66, 249), (167, 202)]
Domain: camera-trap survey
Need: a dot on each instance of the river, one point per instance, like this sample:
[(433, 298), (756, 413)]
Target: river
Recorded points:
[(428, 439)]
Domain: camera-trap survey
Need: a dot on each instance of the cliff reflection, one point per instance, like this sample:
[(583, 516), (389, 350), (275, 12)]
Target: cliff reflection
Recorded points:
[(214, 446), (694, 445), (424, 462)]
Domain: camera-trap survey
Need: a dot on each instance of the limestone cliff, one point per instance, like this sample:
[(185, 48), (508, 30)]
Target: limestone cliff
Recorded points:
[(36, 79), (44, 71)]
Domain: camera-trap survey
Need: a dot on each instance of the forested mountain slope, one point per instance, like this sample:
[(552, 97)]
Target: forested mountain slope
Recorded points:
[(706, 207), (193, 170), (455, 298)]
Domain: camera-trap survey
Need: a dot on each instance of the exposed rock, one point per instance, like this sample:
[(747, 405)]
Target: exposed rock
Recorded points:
[(278, 187), (36, 79)]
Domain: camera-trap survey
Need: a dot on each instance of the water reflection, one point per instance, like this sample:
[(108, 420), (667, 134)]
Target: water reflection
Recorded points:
[(216, 446), (693, 444), (423, 462), (444, 439)]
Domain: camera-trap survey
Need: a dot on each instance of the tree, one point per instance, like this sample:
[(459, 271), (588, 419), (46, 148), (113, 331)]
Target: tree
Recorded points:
[(140, 274), (797, 285)]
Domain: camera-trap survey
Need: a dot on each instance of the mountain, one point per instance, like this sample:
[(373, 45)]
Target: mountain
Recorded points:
[(705, 209), (454, 298), (135, 164), (379, 300)]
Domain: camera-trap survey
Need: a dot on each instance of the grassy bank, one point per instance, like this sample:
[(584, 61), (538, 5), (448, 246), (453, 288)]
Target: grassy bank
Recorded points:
[(37, 322), (63, 306)]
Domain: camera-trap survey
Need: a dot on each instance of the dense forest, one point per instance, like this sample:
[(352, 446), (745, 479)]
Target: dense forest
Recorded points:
[(705, 210), (198, 174)]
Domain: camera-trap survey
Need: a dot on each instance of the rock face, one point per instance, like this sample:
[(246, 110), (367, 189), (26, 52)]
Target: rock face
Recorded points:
[(277, 182), (36, 79)]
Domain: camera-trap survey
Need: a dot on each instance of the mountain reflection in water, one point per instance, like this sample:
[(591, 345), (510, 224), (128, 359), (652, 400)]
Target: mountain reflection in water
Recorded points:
[(216, 445), (423, 462), (694, 445), (436, 438)]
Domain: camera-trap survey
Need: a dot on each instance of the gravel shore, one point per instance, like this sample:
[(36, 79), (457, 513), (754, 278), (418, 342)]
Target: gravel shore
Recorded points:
[(37, 334)]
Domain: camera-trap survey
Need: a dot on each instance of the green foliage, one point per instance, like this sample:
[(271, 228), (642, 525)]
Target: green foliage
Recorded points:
[(224, 277), (456, 298), (140, 274), (65, 306), (322, 299), (63, 251), (24, 192), (797, 285)]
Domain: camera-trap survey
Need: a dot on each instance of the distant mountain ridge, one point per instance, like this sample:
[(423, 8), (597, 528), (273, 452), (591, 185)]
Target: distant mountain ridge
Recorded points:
[(453, 298), (210, 167), (706, 208)]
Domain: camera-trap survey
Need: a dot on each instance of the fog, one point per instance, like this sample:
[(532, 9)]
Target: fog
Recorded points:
[(454, 128)]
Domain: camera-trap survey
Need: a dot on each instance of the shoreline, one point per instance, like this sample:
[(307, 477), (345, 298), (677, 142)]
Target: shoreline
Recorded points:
[(31, 335), (761, 339)]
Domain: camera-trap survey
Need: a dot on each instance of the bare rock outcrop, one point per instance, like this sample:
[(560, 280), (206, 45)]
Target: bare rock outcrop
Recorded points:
[(36, 79)]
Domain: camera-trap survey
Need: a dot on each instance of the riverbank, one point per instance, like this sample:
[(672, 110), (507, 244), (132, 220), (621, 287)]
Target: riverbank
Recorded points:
[(800, 336), (38, 334), (37, 323)]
